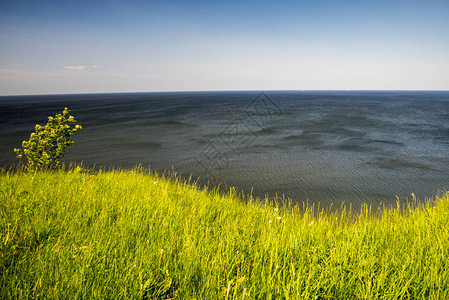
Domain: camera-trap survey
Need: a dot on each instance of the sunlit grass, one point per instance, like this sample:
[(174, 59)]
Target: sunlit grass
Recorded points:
[(133, 235)]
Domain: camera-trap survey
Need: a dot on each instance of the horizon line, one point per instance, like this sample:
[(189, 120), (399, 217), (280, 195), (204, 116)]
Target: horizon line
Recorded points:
[(221, 91)]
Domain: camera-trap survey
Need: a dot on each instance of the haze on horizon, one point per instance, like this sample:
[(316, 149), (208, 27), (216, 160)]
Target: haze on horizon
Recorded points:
[(51, 47)]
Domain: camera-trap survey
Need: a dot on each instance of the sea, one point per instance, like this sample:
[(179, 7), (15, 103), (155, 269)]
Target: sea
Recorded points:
[(324, 147)]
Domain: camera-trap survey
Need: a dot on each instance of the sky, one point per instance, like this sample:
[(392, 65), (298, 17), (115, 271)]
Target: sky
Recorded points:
[(105, 46)]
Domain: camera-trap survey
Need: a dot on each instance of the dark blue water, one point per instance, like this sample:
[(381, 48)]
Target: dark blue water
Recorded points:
[(327, 147)]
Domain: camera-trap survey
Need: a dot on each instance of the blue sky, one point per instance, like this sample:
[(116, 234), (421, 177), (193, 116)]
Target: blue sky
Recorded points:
[(51, 47)]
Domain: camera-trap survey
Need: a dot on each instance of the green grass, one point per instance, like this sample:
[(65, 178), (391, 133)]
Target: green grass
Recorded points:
[(130, 235)]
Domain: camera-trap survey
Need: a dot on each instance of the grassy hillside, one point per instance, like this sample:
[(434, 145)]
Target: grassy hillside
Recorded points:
[(130, 235)]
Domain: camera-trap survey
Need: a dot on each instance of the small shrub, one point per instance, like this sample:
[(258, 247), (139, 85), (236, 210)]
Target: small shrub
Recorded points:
[(46, 146)]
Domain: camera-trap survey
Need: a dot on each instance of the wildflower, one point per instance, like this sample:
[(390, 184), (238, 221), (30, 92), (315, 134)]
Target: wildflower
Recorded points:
[(311, 223), (276, 209), (278, 218), (155, 183), (269, 221)]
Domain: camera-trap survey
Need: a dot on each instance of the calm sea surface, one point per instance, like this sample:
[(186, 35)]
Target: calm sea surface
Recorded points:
[(327, 147)]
